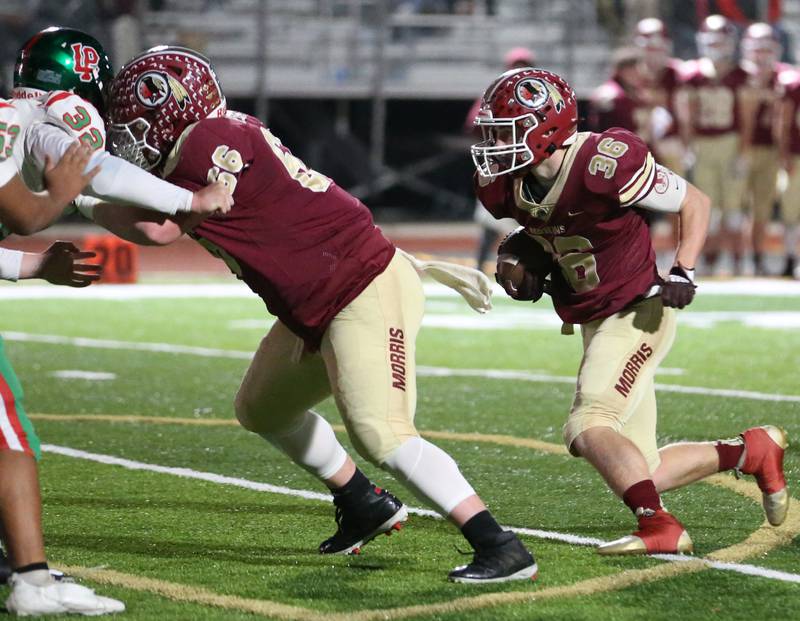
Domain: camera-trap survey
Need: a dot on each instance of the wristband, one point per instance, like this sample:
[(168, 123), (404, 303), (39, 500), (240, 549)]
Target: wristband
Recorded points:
[(10, 264)]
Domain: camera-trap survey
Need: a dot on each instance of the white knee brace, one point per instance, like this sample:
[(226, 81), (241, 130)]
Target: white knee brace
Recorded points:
[(430, 473), (311, 444)]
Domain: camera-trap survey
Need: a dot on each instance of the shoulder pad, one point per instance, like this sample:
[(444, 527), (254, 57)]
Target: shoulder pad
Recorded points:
[(76, 116), (619, 166)]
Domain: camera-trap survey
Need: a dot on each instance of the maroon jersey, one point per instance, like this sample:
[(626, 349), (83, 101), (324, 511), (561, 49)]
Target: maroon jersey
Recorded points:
[(299, 241), (612, 106), (789, 89), (715, 110), (660, 89), (767, 93), (587, 221)]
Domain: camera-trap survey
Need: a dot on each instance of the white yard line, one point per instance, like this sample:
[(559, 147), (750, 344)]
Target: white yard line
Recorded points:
[(166, 348), (92, 376), (750, 287), (189, 473), (425, 371)]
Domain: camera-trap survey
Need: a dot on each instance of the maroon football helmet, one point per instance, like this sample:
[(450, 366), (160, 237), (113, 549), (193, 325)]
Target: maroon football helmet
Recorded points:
[(761, 48), (525, 115), (654, 41), (155, 97), (716, 39)]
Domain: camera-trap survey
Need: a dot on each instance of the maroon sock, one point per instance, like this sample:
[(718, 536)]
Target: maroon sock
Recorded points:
[(729, 454), (642, 494)]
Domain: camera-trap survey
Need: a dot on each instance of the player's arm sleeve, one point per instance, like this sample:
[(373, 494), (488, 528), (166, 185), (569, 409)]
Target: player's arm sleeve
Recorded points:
[(10, 264), (667, 193), (118, 180)]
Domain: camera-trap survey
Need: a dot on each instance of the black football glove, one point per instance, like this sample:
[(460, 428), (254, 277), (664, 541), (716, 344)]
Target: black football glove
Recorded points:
[(678, 289)]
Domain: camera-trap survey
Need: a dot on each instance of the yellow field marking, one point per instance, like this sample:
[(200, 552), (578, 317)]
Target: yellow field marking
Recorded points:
[(765, 539), (131, 418), (505, 440), (592, 586)]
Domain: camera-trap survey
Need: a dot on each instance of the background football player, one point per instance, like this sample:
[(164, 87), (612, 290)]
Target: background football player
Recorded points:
[(788, 138), (618, 101), (349, 306), (661, 78), (33, 589), (761, 52), (711, 130), (580, 199)]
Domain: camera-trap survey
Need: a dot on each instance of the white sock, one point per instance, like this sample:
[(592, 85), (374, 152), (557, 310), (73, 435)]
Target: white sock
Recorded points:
[(430, 473), (311, 444), (37, 577)]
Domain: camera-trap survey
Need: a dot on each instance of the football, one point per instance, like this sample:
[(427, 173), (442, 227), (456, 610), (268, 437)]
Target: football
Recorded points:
[(522, 266)]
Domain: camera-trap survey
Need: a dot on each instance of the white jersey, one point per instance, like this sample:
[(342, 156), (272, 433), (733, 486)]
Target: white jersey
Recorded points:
[(9, 135), (72, 114), (52, 121)]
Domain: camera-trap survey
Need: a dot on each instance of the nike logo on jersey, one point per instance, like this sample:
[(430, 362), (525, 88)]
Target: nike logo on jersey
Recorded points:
[(574, 213)]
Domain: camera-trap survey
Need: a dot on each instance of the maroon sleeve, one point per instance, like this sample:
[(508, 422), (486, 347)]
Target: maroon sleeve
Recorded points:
[(496, 196), (619, 166)]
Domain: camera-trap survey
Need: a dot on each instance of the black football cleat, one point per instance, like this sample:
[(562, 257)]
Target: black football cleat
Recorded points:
[(505, 561), (5, 568), (359, 523)]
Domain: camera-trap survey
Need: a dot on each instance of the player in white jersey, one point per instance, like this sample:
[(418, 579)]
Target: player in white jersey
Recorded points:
[(60, 78), (34, 591)]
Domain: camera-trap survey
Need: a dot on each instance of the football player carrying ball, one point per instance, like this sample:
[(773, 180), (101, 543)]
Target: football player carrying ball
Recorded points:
[(581, 198)]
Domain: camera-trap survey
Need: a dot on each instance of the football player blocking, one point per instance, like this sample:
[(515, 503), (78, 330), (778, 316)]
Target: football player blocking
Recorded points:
[(579, 198), (47, 127), (33, 588), (349, 305)]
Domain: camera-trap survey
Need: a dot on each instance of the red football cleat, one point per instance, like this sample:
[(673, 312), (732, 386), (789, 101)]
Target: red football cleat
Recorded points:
[(659, 532), (763, 457)]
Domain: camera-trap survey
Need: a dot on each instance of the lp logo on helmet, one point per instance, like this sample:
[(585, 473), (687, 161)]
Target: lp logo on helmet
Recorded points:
[(85, 59), (152, 89)]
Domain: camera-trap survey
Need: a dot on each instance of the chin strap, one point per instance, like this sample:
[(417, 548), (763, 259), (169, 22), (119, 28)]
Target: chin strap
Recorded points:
[(474, 286)]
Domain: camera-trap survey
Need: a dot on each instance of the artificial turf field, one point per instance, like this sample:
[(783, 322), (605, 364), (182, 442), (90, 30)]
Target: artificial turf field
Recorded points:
[(154, 495)]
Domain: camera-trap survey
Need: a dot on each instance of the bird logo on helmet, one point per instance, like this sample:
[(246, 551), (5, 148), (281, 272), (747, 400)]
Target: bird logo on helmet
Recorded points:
[(526, 114), (532, 93), (150, 104), (151, 89)]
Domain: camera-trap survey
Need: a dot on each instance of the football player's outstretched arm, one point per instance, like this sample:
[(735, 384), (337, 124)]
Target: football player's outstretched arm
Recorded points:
[(121, 181), (24, 212), (143, 227), (60, 264)]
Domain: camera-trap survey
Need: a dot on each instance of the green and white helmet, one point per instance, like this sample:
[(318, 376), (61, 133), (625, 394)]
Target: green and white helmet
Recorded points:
[(63, 59)]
